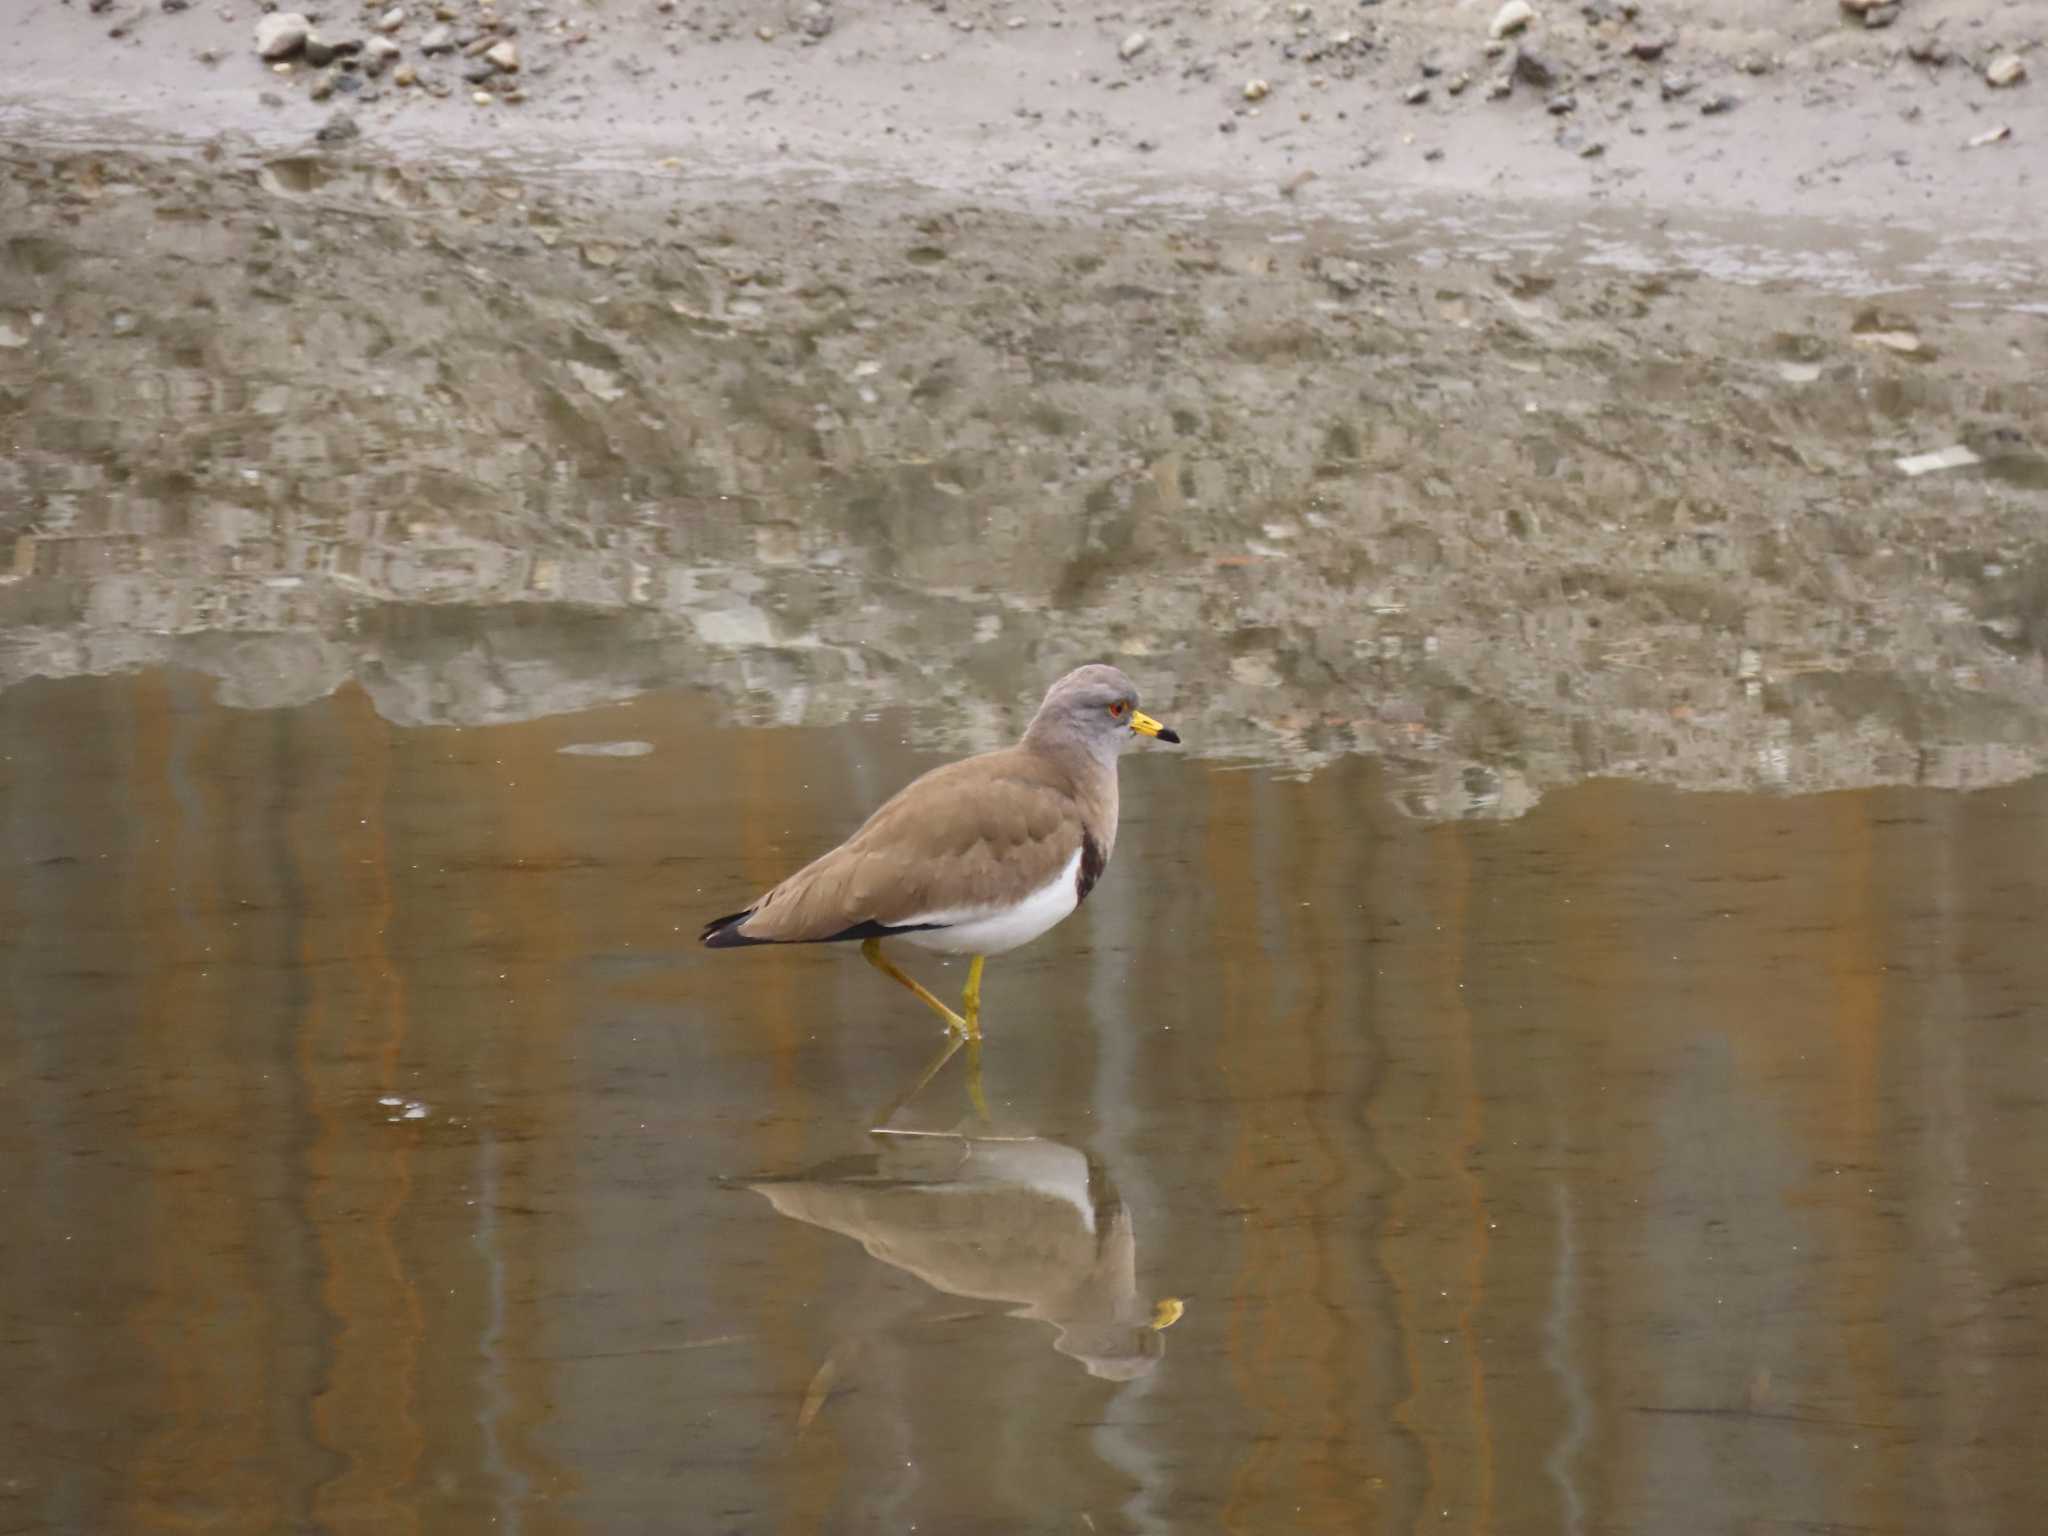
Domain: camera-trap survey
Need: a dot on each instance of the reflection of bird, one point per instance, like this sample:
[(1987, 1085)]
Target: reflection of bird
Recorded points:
[(1025, 1221), (974, 858)]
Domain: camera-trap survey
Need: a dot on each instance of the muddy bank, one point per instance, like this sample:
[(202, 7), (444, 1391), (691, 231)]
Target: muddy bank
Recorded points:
[(494, 447)]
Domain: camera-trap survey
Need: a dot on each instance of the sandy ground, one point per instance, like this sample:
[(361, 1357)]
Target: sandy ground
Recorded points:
[(1814, 114)]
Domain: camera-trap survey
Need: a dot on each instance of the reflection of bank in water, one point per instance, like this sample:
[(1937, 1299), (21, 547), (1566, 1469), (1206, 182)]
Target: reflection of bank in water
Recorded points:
[(1020, 1220)]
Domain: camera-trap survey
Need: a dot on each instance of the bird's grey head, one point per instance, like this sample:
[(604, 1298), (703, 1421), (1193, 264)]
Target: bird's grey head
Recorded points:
[(1096, 708)]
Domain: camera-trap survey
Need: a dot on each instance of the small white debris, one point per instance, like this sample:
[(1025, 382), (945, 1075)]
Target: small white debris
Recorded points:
[(1132, 46), (607, 749), (1955, 456), (1510, 19), (601, 382), (2006, 69), (1990, 136), (1256, 90)]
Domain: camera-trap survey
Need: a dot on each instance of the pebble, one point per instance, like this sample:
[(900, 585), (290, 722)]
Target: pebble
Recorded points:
[(479, 71), (816, 23), (321, 52), (1990, 136), (1415, 95), (1671, 87), (1533, 69), (2006, 69), (1649, 49), (1562, 103), (440, 40), (482, 98), (378, 54), (1132, 46), (1880, 16), (281, 34), (392, 19), (1928, 50), (1592, 151), (1719, 102), (321, 88), (405, 74), (1511, 18), (338, 129), (505, 56), (1499, 86), (1256, 90)]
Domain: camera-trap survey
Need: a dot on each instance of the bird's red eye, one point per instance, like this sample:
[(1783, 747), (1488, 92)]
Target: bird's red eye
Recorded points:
[(1117, 709)]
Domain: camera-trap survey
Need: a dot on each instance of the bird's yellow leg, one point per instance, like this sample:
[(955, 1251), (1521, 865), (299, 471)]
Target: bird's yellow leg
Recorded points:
[(970, 1000), (871, 951)]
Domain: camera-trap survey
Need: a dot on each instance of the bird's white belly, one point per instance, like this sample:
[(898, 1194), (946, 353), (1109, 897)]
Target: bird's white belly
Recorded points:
[(994, 930)]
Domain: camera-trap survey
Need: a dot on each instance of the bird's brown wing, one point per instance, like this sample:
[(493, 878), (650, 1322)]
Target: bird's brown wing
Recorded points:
[(966, 837)]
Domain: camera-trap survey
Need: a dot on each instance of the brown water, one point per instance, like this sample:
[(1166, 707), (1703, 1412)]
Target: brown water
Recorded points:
[(379, 1142), (1561, 1048)]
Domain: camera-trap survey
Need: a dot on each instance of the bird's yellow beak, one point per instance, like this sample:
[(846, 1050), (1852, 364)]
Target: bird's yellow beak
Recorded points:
[(1145, 725)]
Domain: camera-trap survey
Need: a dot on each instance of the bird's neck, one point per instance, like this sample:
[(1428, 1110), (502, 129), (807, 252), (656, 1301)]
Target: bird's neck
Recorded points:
[(1090, 771)]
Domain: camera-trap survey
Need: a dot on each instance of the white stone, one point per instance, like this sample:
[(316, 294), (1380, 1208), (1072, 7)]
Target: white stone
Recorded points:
[(281, 34), (2006, 69), (1132, 46), (1511, 18)]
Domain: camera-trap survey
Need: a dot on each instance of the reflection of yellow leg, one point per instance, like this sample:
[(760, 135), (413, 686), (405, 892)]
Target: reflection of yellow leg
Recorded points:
[(871, 951), (946, 1053), (970, 1000), (974, 1077), (953, 1043)]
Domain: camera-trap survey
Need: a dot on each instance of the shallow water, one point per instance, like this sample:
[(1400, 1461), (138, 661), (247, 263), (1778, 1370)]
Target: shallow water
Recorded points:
[(382, 1151), (1560, 1049)]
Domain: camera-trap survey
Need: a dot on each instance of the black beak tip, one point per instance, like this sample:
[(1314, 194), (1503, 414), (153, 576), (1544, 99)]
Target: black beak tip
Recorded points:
[(1167, 733)]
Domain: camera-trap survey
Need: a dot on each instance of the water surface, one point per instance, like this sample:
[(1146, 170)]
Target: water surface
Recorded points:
[(384, 1155)]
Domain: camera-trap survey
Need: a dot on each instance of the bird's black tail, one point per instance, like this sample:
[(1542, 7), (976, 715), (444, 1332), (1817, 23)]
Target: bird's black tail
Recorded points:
[(724, 932)]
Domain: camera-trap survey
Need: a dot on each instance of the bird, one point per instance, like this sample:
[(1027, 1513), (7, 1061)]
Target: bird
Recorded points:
[(973, 858)]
